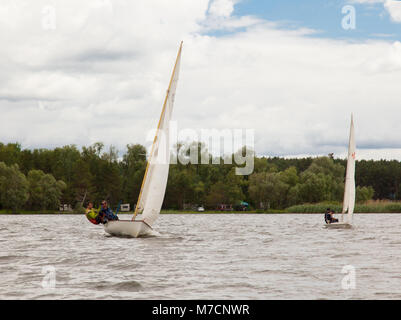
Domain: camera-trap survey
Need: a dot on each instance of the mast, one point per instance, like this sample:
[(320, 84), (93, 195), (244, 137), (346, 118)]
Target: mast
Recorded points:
[(157, 133)]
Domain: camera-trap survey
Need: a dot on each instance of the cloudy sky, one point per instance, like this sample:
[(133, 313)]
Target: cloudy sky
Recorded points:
[(77, 72)]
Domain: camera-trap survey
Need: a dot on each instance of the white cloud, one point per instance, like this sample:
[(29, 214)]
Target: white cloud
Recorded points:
[(221, 8), (101, 75), (394, 9), (220, 17)]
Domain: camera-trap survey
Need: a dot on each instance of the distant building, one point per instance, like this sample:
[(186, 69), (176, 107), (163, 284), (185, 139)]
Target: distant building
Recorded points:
[(224, 207), (65, 207), (188, 206), (125, 207)]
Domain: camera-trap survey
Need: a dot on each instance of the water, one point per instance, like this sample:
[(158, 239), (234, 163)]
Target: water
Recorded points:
[(201, 257)]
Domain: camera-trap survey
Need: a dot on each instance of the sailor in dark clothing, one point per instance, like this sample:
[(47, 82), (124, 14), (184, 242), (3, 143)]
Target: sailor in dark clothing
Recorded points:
[(332, 218), (106, 214), (328, 216)]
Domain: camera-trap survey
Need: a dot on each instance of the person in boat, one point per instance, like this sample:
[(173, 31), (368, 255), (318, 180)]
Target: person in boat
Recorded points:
[(332, 217), (106, 213), (92, 214), (328, 216)]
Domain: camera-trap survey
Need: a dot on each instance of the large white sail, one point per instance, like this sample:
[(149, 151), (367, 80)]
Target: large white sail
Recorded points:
[(349, 190), (155, 180)]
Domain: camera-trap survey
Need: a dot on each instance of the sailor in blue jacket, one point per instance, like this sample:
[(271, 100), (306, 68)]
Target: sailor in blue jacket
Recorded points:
[(328, 216), (106, 213)]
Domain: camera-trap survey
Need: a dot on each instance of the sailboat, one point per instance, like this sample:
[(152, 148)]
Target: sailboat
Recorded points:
[(154, 183), (346, 218)]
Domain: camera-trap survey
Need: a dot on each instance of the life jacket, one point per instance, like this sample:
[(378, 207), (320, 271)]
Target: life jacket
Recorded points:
[(92, 216)]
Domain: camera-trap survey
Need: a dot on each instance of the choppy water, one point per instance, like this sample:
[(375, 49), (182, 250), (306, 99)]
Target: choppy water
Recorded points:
[(201, 257)]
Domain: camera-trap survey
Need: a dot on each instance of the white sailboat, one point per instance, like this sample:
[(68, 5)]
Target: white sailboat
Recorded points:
[(346, 218), (154, 183)]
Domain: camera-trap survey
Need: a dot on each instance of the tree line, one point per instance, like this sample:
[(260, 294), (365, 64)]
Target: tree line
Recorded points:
[(41, 179)]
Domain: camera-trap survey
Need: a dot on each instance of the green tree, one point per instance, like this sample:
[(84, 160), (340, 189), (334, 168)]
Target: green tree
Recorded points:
[(10, 153), (52, 190), (13, 187), (112, 155), (35, 189), (267, 190), (328, 167), (319, 187), (199, 189), (322, 181), (290, 176), (44, 190), (364, 194), (133, 167), (108, 182), (226, 191), (179, 189), (82, 182)]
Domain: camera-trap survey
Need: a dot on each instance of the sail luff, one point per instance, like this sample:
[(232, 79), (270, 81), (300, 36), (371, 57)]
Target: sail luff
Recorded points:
[(147, 176), (349, 189)]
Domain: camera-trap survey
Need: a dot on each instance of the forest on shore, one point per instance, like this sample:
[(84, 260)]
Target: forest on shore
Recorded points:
[(42, 179)]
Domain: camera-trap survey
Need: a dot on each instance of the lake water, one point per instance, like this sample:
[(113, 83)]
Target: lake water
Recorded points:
[(210, 256)]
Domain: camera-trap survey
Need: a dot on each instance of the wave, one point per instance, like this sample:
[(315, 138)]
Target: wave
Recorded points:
[(120, 286)]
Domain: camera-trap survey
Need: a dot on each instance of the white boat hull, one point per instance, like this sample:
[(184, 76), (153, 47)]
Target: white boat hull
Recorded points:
[(128, 228), (338, 225)]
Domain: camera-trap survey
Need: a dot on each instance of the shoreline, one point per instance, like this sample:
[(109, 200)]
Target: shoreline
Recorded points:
[(57, 213)]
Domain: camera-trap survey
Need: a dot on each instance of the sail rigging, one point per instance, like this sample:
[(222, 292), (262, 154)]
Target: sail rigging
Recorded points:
[(154, 183)]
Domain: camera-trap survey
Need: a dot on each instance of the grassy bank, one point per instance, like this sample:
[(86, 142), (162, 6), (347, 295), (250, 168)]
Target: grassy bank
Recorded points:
[(369, 207), (220, 212)]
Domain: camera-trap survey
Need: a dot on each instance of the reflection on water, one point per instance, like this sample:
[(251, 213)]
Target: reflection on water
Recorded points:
[(202, 257)]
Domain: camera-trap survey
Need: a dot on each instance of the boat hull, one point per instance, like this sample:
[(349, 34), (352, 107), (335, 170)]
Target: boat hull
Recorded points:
[(338, 225), (128, 228)]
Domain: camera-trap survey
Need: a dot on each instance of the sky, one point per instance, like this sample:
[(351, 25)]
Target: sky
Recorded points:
[(77, 72)]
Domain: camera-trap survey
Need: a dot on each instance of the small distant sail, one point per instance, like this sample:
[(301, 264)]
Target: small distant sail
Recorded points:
[(155, 180), (349, 190)]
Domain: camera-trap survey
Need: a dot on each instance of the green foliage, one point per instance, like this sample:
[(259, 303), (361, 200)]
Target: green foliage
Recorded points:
[(13, 187), (386, 207), (10, 153), (35, 189), (179, 188), (322, 180), (95, 173), (79, 209), (44, 190), (383, 176), (225, 191), (392, 208), (315, 208), (133, 169), (364, 194), (268, 189)]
